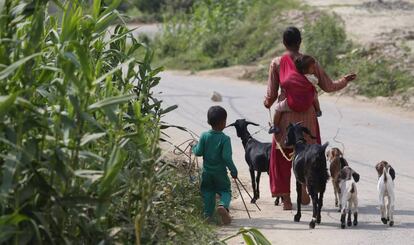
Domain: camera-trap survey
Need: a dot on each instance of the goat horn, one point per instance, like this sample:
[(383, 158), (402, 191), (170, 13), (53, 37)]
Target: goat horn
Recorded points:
[(230, 125), (298, 123)]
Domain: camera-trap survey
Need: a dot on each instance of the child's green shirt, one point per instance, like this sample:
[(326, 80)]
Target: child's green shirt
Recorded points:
[(215, 147)]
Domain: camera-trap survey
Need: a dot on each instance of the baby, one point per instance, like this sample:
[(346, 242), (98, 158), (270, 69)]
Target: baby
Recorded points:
[(306, 65)]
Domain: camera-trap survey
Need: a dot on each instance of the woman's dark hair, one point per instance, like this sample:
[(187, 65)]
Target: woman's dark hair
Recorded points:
[(292, 37), (303, 63), (216, 115)]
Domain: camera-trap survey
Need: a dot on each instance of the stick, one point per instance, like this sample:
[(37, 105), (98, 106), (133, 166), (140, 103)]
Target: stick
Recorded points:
[(242, 198), (248, 193)]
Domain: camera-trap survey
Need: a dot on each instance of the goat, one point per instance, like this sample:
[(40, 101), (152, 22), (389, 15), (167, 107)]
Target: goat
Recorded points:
[(309, 167), (386, 177), (257, 155), (347, 179), (337, 162)]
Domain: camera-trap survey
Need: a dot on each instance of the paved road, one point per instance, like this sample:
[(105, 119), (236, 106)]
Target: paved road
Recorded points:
[(370, 134)]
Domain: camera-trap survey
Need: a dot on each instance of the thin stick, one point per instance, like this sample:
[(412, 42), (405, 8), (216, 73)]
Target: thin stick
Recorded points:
[(238, 188), (248, 193)]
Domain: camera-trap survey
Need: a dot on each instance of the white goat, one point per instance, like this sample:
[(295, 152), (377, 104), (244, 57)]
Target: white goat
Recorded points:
[(348, 195), (386, 178)]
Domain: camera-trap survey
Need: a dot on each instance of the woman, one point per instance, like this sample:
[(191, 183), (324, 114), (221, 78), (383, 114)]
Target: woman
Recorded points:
[(299, 93)]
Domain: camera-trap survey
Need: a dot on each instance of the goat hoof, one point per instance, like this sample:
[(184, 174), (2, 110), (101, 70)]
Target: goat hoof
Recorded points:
[(384, 221), (277, 202), (349, 223), (253, 200), (318, 220), (391, 223), (388, 218), (336, 203), (342, 225), (355, 222), (312, 224), (297, 218)]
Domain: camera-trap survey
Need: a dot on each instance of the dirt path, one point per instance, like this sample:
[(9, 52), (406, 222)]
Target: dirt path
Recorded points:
[(370, 134), (387, 26)]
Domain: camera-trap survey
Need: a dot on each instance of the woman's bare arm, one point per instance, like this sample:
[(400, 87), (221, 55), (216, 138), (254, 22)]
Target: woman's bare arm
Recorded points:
[(272, 83)]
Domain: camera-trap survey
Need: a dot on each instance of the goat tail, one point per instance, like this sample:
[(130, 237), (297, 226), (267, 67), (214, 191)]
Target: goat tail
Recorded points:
[(353, 188)]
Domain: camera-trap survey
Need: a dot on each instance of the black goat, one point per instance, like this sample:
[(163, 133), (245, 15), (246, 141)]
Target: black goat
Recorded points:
[(257, 155), (309, 166)]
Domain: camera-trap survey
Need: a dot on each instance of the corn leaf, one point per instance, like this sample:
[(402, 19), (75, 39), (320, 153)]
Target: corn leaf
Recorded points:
[(6, 103), (112, 101), (11, 68), (91, 137)]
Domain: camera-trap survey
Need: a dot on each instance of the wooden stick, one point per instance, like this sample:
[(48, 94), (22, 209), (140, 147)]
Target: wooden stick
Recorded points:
[(248, 193), (242, 198)]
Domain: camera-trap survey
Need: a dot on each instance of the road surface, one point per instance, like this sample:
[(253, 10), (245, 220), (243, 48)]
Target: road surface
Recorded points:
[(370, 134)]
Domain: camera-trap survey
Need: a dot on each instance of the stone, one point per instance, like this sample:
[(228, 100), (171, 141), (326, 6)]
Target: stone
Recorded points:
[(216, 97)]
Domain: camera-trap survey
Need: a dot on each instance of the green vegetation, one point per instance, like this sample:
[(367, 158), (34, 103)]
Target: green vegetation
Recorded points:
[(326, 39), (79, 132), (222, 33), (155, 10)]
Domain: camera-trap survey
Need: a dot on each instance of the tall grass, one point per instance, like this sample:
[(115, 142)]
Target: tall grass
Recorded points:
[(79, 129), (222, 33)]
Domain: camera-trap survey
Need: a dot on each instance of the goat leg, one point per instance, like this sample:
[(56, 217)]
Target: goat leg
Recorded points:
[(314, 197), (253, 200), (355, 212), (257, 192), (277, 201), (349, 221), (320, 204), (298, 201)]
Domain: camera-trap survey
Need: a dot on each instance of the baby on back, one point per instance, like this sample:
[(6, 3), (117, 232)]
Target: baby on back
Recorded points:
[(305, 65)]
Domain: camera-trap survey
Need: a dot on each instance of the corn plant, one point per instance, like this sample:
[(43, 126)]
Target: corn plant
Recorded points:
[(79, 126)]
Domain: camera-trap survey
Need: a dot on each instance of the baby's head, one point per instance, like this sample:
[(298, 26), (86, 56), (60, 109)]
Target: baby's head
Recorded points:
[(216, 117), (305, 64)]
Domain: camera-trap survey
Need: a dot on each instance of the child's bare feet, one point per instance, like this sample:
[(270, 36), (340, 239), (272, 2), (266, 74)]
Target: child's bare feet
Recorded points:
[(224, 214)]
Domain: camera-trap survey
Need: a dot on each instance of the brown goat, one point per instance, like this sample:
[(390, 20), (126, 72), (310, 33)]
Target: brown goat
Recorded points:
[(337, 162)]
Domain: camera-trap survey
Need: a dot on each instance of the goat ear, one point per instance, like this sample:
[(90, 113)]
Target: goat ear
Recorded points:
[(230, 125), (307, 131), (355, 175), (340, 153), (252, 123), (392, 173)]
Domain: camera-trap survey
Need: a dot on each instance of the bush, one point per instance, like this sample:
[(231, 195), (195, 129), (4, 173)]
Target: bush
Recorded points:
[(80, 130), (222, 33), (325, 39)]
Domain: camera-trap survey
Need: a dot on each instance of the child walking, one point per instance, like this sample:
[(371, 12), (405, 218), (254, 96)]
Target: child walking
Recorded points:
[(305, 64), (215, 148)]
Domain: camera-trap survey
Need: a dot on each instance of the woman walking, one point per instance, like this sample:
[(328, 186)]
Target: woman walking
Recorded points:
[(300, 95)]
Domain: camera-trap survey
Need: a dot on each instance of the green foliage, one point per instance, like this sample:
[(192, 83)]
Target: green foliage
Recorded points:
[(251, 236), (222, 33), (79, 130), (154, 10), (326, 40)]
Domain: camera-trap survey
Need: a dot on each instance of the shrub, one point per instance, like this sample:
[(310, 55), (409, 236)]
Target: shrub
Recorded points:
[(79, 131), (222, 33), (325, 39)]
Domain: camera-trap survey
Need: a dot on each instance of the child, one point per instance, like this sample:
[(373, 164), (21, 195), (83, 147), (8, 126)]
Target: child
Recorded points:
[(215, 148), (305, 65)]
